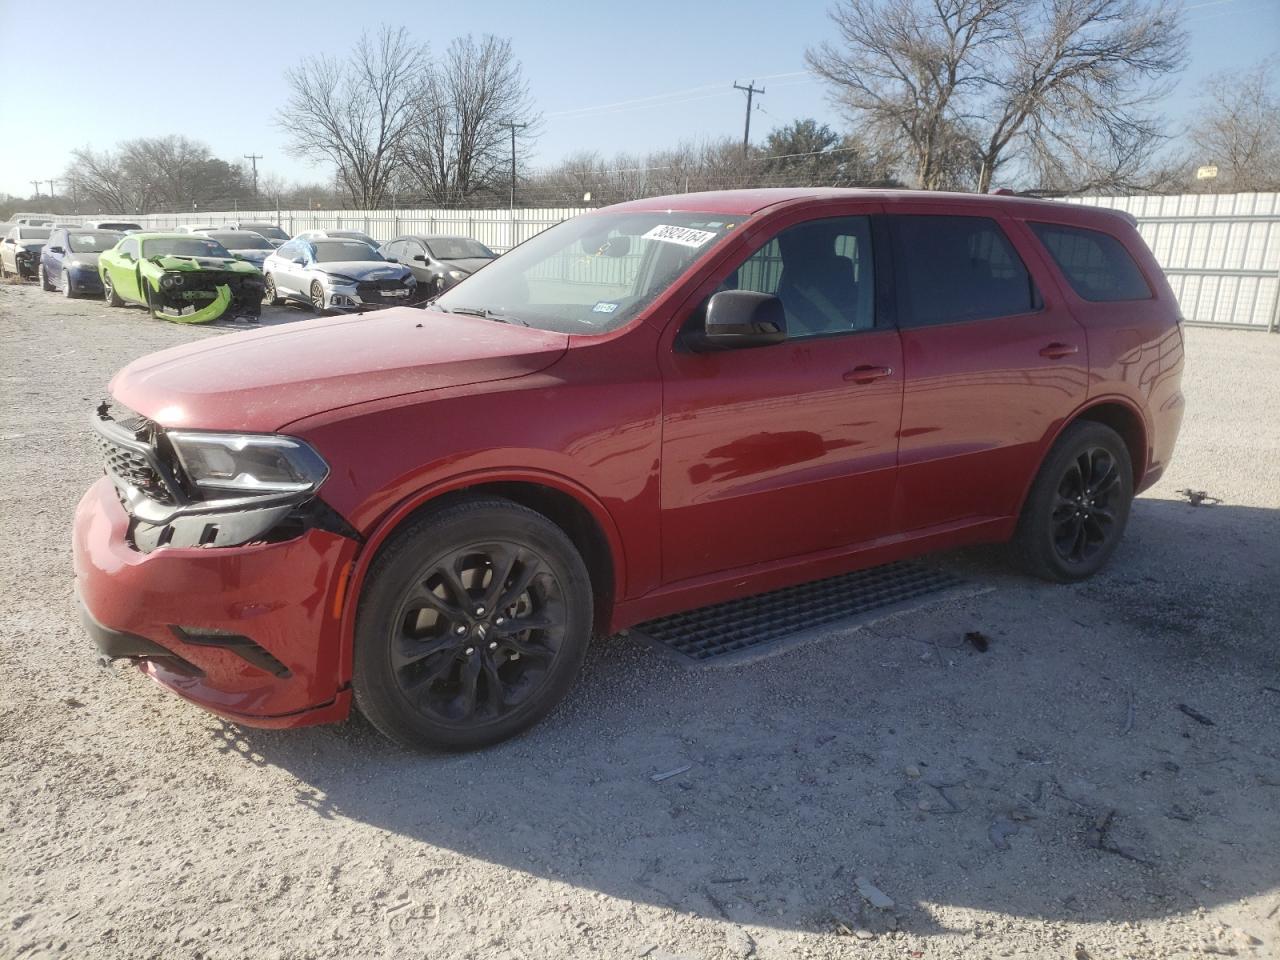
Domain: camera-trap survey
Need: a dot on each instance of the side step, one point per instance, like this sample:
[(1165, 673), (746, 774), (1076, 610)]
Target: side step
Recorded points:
[(739, 631)]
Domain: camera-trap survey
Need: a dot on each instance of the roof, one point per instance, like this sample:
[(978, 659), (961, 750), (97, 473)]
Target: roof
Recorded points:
[(747, 202)]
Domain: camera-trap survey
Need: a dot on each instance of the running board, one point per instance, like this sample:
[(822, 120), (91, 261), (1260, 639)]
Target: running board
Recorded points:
[(739, 631)]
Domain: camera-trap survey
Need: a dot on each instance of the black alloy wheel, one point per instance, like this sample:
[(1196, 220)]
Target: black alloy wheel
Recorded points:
[(472, 626), (1075, 515)]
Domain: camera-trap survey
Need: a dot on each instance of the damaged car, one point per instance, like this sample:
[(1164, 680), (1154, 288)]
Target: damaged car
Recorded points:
[(20, 251), (69, 261), (337, 275), (180, 277)]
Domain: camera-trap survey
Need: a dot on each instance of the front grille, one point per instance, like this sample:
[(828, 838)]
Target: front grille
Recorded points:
[(376, 291), (126, 441)]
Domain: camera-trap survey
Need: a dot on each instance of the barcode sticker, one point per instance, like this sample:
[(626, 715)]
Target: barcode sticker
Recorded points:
[(685, 236)]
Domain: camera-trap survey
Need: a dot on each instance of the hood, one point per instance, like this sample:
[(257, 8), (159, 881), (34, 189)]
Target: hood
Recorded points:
[(364, 269), (253, 255), (170, 262), (469, 264), (262, 380)]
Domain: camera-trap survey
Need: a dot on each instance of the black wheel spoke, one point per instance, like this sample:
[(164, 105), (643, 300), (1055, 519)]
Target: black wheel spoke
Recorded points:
[(478, 631)]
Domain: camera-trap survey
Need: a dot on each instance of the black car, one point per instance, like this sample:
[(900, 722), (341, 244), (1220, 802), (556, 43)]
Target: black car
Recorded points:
[(438, 262)]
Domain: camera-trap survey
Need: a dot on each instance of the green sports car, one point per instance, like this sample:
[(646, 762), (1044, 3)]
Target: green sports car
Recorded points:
[(180, 277)]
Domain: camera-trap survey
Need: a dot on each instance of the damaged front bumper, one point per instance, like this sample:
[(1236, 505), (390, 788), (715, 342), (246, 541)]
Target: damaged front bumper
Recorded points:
[(199, 297)]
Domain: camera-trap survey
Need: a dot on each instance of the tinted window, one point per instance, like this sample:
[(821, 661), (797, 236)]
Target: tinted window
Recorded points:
[(241, 240), (33, 233), (458, 248), (94, 241), (950, 269), (266, 229), (184, 247), (335, 251), (822, 273), (1097, 266)]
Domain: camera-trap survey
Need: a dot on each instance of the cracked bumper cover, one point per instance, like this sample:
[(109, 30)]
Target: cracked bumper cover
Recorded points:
[(286, 597)]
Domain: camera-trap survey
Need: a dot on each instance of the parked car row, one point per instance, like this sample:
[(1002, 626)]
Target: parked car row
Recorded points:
[(198, 272)]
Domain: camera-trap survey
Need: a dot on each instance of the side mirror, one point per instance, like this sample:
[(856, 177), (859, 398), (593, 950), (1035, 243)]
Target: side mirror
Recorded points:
[(390, 259), (420, 258), (8, 239), (56, 250), (298, 260), (741, 318)]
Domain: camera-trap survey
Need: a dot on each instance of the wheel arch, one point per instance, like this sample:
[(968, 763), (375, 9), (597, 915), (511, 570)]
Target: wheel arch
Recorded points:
[(1118, 413), (582, 517)]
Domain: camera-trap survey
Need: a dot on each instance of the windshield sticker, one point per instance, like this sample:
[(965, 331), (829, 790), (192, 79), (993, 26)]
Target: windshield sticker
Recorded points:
[(685, 236), (604, 306)]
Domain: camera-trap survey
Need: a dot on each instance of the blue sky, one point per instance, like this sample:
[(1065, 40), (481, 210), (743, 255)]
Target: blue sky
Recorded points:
[(609, 76)]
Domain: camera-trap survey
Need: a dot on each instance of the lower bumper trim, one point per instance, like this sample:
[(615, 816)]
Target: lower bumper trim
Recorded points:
[(119, 645)]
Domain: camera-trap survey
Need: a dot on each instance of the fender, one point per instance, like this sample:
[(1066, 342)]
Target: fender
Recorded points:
[(1052, 436), (390, 521)]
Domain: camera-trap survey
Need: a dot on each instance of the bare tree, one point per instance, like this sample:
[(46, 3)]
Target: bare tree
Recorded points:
[(1237, 128), (150, 173), (100, 179), (460, 139), (997, 81), (356, 113)]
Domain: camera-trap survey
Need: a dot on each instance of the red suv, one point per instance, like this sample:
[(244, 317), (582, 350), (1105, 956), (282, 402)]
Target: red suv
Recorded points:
[(649, 408)]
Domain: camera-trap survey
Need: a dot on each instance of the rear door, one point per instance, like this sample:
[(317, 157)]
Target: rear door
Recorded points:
[(786, 450), (993, 360)]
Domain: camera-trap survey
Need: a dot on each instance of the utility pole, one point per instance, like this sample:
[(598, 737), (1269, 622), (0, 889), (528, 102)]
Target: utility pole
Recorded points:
[(36, 184), (750, 90), (50, 183), (514, 127), (254, 158)]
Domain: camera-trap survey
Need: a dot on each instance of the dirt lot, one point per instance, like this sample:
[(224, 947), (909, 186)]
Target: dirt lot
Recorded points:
[(1046, 798)]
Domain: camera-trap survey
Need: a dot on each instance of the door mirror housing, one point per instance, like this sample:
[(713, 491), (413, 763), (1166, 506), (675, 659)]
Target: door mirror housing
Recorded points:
[(420, 258), (741, 318), (56, 250)]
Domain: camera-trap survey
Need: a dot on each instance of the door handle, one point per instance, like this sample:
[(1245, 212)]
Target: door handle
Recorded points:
[(867, 374), (1056, 351)]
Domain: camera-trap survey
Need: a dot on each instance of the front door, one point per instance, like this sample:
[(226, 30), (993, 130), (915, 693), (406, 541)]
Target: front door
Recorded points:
[(124, 270), (781, 451), (994, 361)]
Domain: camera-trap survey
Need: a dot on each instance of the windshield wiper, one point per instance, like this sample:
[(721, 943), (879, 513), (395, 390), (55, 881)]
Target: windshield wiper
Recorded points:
[(487, 314)]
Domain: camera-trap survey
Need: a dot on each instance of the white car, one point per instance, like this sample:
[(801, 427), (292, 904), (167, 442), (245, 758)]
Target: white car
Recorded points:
[(336, 274)]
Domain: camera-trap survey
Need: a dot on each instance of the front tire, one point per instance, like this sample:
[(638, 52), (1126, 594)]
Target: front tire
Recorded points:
[(66, 286), (45, 285), (473, 624), (317, 297), (1078, 507), (109, 292), (269, 295)]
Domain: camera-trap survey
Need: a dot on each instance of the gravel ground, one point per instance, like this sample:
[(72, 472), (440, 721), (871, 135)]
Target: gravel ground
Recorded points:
[(1046, 798)]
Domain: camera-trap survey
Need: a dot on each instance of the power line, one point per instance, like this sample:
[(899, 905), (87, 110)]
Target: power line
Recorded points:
[(750, 90), (657, 98)]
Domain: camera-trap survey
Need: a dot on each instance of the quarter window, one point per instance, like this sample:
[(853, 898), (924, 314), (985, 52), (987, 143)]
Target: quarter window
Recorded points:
[(953, 269), (821, 271), (1097, 266)]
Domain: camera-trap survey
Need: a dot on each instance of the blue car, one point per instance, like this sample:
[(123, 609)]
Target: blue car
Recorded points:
[(69, 260)]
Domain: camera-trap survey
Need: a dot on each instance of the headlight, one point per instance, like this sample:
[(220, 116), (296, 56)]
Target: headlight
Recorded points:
[(226, 465), (339, 278), (78, 265), (457, 274), (170, 280)]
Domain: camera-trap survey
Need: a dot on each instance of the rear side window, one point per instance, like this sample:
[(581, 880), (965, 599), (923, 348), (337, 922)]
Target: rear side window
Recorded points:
[(1097, 266), (953, 269)]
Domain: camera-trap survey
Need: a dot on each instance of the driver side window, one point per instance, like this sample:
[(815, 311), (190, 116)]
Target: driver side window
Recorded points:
[(129, 248), (821, 270)]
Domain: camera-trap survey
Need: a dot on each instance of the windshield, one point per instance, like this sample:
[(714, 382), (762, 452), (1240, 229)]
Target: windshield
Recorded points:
[(458, 248), (335, 251), (183, 247), (33, 233), (242, 240), (266, 229), (591, 274), (92, 242), (122, 225)]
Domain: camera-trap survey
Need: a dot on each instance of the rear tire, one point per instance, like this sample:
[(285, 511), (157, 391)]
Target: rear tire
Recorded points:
[(109, 292), (472, 625), (1078, 507)]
